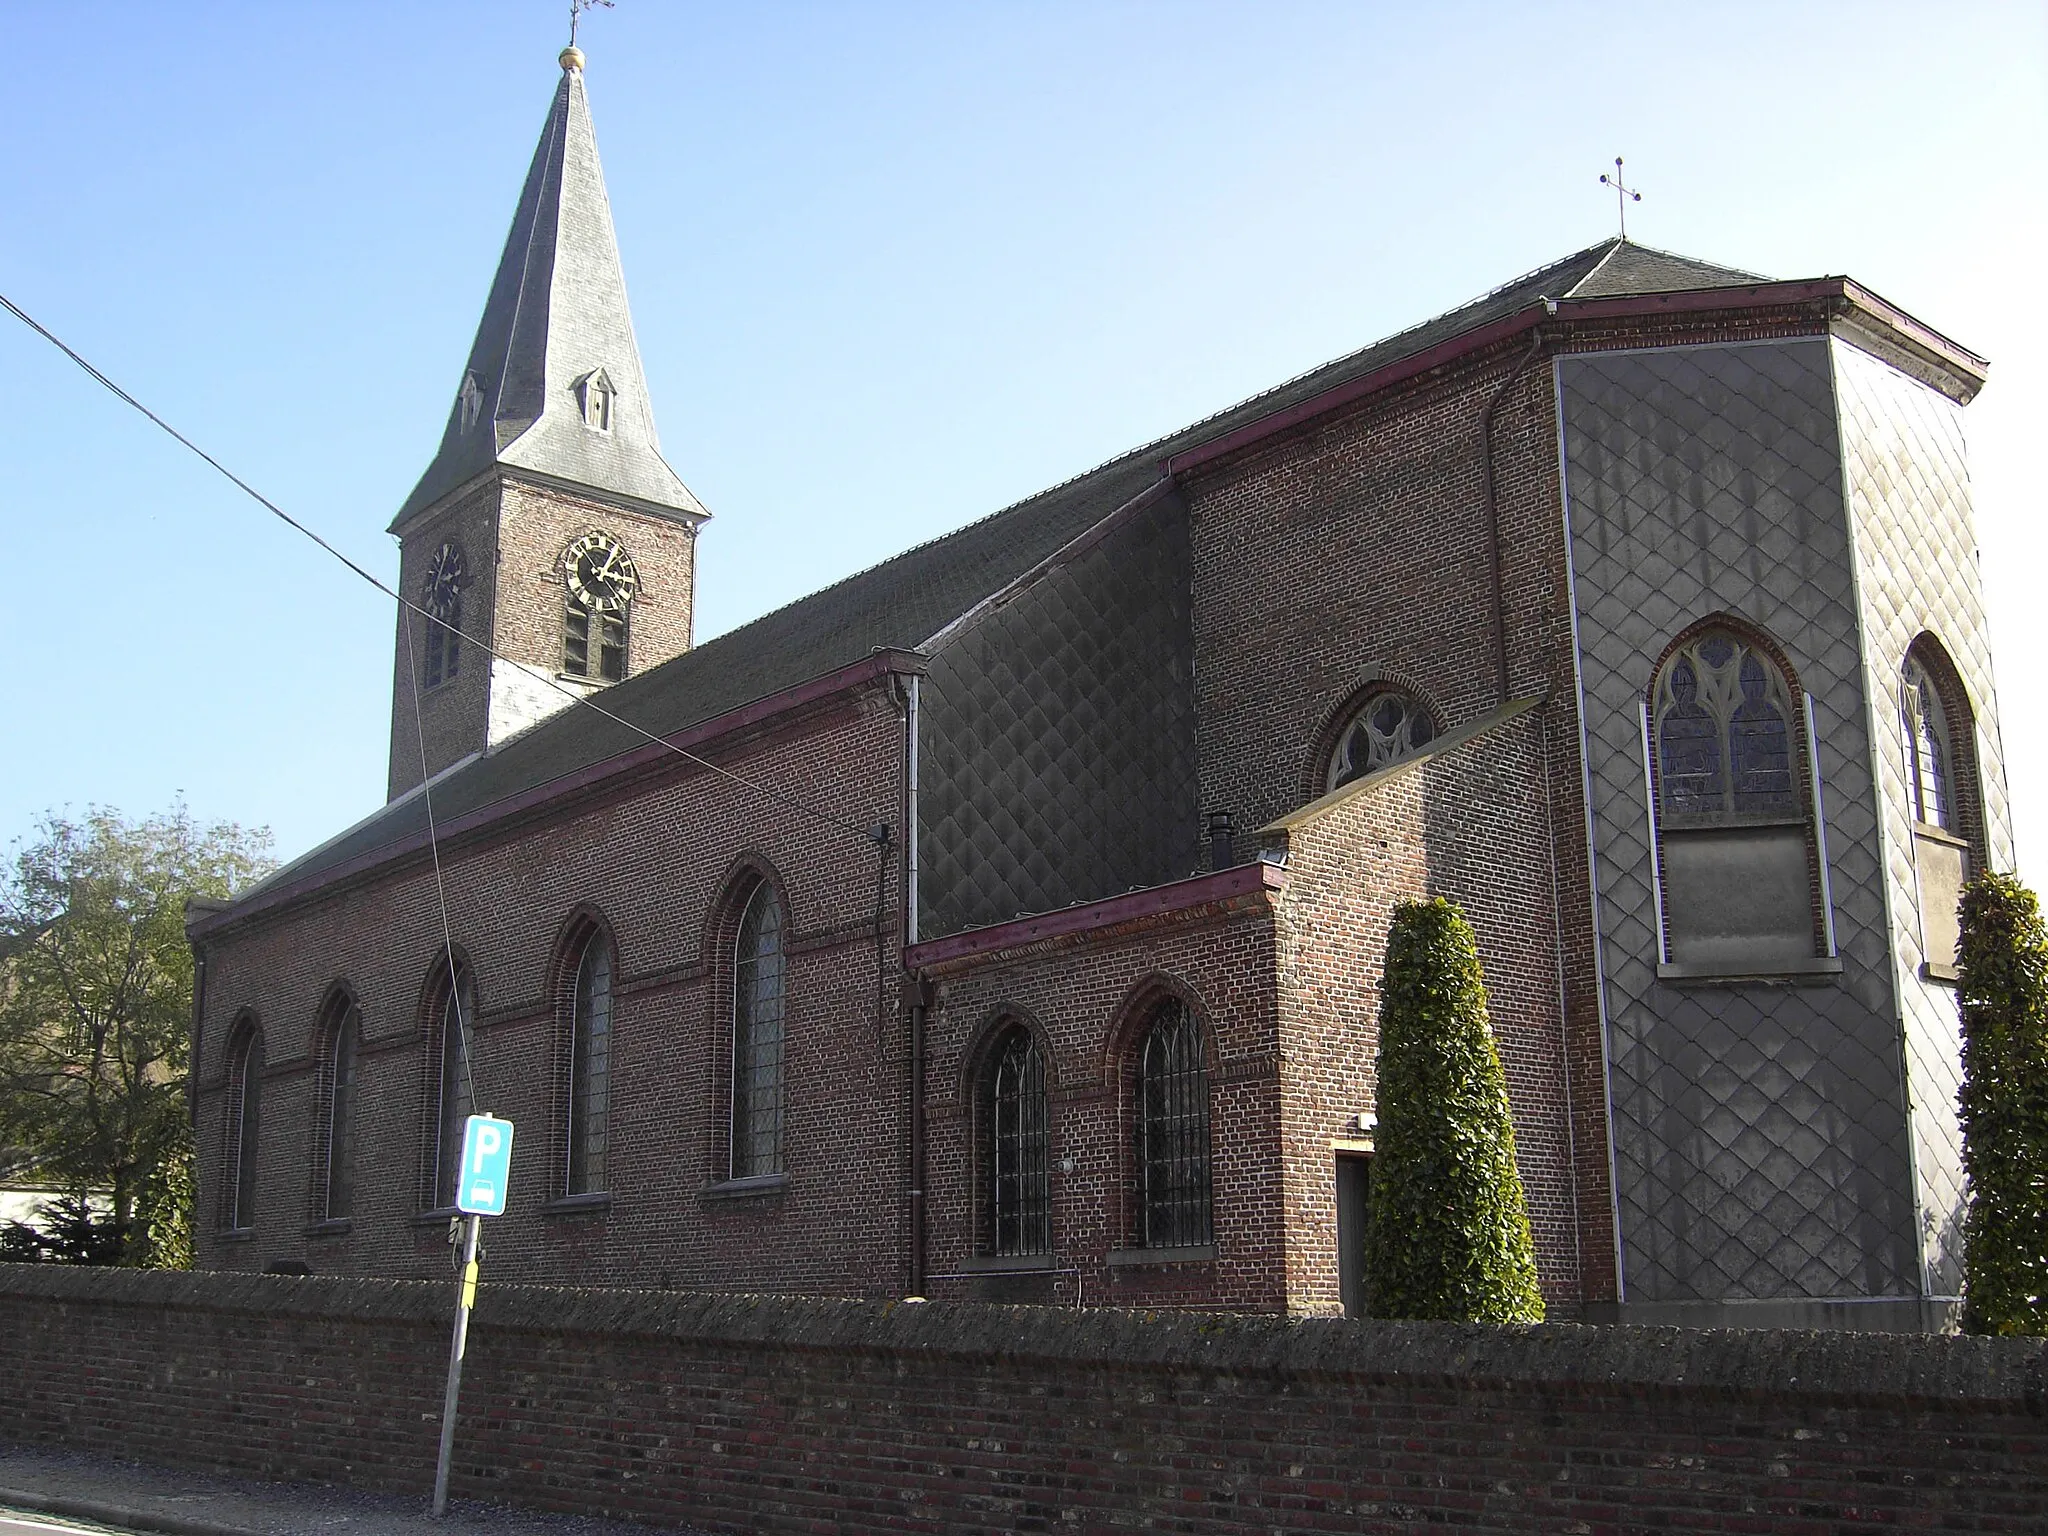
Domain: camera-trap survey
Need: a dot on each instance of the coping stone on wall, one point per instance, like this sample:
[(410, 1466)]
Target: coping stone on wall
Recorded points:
[(1844, 1366)]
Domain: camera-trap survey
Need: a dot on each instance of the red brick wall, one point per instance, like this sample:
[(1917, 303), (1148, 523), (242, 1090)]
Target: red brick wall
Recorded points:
[(749, 1414), (1087, 999), (655, 859)]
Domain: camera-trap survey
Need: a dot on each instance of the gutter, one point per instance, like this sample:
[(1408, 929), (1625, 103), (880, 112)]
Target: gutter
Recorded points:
[(1966, 369)]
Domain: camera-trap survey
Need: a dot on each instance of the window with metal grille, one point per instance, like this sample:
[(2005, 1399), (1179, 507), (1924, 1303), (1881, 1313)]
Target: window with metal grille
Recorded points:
[(1020, 1193), (590, 1055), (1384, 729), (338, 1071), (1173, 1132), (757, 1003), (245, 1103), (610, 641), (455, 1019)]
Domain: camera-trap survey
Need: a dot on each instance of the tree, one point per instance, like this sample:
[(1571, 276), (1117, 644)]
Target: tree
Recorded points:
[(2003, 1107), (96, 1005), (1447, 1236)]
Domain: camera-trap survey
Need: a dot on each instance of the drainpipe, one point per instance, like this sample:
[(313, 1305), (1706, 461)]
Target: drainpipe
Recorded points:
[(920, 1005), (1492, 495)]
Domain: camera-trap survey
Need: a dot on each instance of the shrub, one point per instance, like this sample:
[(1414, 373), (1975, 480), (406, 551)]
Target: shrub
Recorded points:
[(1448, 1232), (2003, 1107)]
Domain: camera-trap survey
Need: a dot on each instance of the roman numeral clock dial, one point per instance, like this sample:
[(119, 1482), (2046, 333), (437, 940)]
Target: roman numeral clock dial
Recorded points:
[(600, 574)]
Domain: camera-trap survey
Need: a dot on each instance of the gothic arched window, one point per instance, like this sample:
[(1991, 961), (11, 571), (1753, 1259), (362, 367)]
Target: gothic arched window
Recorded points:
[(453, 1025), (1388, 726), (245, 1104), (1740, 866), (447, 575), (1937, 733), (340, 1037), (1173, 1132), (590, 1056), (757, 1001), (1019, 1189), (1930, 771)]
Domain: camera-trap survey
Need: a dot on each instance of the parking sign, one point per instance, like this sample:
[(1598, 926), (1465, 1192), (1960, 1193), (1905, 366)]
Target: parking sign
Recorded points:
[(486, 1166)]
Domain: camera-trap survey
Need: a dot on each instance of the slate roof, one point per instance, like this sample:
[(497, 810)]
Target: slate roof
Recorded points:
[(556, 313), (905, 601)]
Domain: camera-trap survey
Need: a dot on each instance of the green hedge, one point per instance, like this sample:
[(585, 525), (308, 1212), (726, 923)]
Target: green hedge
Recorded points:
[(2003, 1104), (1448, 1233)]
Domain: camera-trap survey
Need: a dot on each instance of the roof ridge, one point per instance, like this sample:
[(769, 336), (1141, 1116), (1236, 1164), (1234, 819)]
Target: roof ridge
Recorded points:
[(1587, 276)]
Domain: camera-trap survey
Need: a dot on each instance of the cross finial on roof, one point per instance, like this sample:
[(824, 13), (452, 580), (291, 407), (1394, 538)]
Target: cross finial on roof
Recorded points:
[(1623, 196), (576, 10)]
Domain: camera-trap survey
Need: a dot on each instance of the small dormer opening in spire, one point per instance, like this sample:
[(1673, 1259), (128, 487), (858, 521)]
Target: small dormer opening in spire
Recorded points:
[(595, 397), (471, 399)]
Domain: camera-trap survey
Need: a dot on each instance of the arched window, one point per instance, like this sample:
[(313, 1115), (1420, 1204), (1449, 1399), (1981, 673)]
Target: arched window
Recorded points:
[(590, 1056), (1937, 735), (245, 1103), (757, 1001), (1930, 772), (1739, 861), (340, 1036), (1173, 1131), (1019, 1188), (447, 575), (1384, 729), (452, 1036)]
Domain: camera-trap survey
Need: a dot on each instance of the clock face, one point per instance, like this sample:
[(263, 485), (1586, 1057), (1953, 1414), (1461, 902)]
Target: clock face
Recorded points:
[(447, 574), (600, 574)]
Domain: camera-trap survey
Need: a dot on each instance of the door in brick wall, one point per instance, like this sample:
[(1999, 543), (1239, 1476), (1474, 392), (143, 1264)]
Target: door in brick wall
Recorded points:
[(1354, 1195)]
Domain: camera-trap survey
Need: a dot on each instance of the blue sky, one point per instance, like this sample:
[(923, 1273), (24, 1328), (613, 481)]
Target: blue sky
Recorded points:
[(892, 266)]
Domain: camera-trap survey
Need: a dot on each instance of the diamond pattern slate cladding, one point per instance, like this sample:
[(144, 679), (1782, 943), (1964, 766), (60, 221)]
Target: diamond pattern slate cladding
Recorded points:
[(1916, 554), (1056, 742), (1760, 1140)]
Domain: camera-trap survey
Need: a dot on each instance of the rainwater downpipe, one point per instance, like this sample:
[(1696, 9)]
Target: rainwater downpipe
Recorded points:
[(1492, 497), (920, 991)]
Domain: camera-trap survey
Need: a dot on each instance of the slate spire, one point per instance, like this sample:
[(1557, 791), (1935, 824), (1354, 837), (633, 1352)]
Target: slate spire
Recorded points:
[(556, 330)]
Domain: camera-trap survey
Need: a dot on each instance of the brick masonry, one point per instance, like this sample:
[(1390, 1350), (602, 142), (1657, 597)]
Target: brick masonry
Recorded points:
[(744, 1413), (513, 531)]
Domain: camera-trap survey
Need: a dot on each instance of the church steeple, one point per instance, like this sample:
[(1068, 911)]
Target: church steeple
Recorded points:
[(555, 325), (548, 527)]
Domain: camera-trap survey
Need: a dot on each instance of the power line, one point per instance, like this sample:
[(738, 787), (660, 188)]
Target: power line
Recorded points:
[(866, 834)]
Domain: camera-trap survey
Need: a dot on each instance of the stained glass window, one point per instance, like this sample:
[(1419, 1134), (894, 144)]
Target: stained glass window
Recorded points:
[(590, 1056), (1725, 740), (1020, 1189), (1928, 775), (343, 1038), (1386, 728), (453, 1029), (757, 1038)]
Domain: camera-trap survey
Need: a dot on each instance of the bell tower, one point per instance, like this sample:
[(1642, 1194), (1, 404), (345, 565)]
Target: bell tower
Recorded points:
[(548, 528)]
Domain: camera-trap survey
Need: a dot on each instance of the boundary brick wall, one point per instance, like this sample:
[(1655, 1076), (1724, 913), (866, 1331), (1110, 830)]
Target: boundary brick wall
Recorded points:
[(742, 1413)]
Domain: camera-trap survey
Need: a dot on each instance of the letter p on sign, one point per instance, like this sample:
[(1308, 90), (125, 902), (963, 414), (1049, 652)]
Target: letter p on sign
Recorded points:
[(486, 1166)]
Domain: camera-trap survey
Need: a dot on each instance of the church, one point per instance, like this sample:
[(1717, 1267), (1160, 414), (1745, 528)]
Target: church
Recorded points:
[(1006, 921)]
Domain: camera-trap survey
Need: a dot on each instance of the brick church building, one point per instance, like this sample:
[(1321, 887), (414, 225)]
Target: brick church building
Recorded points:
[(1006, 920)]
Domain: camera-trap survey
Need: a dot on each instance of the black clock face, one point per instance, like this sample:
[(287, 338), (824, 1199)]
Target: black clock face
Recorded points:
[(600, 573), (447, 574)]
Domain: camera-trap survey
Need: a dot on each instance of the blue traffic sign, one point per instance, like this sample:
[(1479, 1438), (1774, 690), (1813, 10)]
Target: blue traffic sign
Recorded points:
[(486, 1166)]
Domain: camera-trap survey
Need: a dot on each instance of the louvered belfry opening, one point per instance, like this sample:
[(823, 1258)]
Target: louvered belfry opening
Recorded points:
[(1020, 1185), (1173, 1132)]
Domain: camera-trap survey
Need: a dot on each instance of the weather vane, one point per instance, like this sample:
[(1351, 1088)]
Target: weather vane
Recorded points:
[(1622, 195), (578, 7)]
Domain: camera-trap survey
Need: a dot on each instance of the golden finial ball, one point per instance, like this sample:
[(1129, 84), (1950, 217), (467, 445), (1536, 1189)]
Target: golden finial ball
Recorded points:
[(572, 57)]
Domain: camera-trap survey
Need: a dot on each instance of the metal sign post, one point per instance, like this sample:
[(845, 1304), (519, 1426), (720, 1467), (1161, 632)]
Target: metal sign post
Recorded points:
[(479, 1192)]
